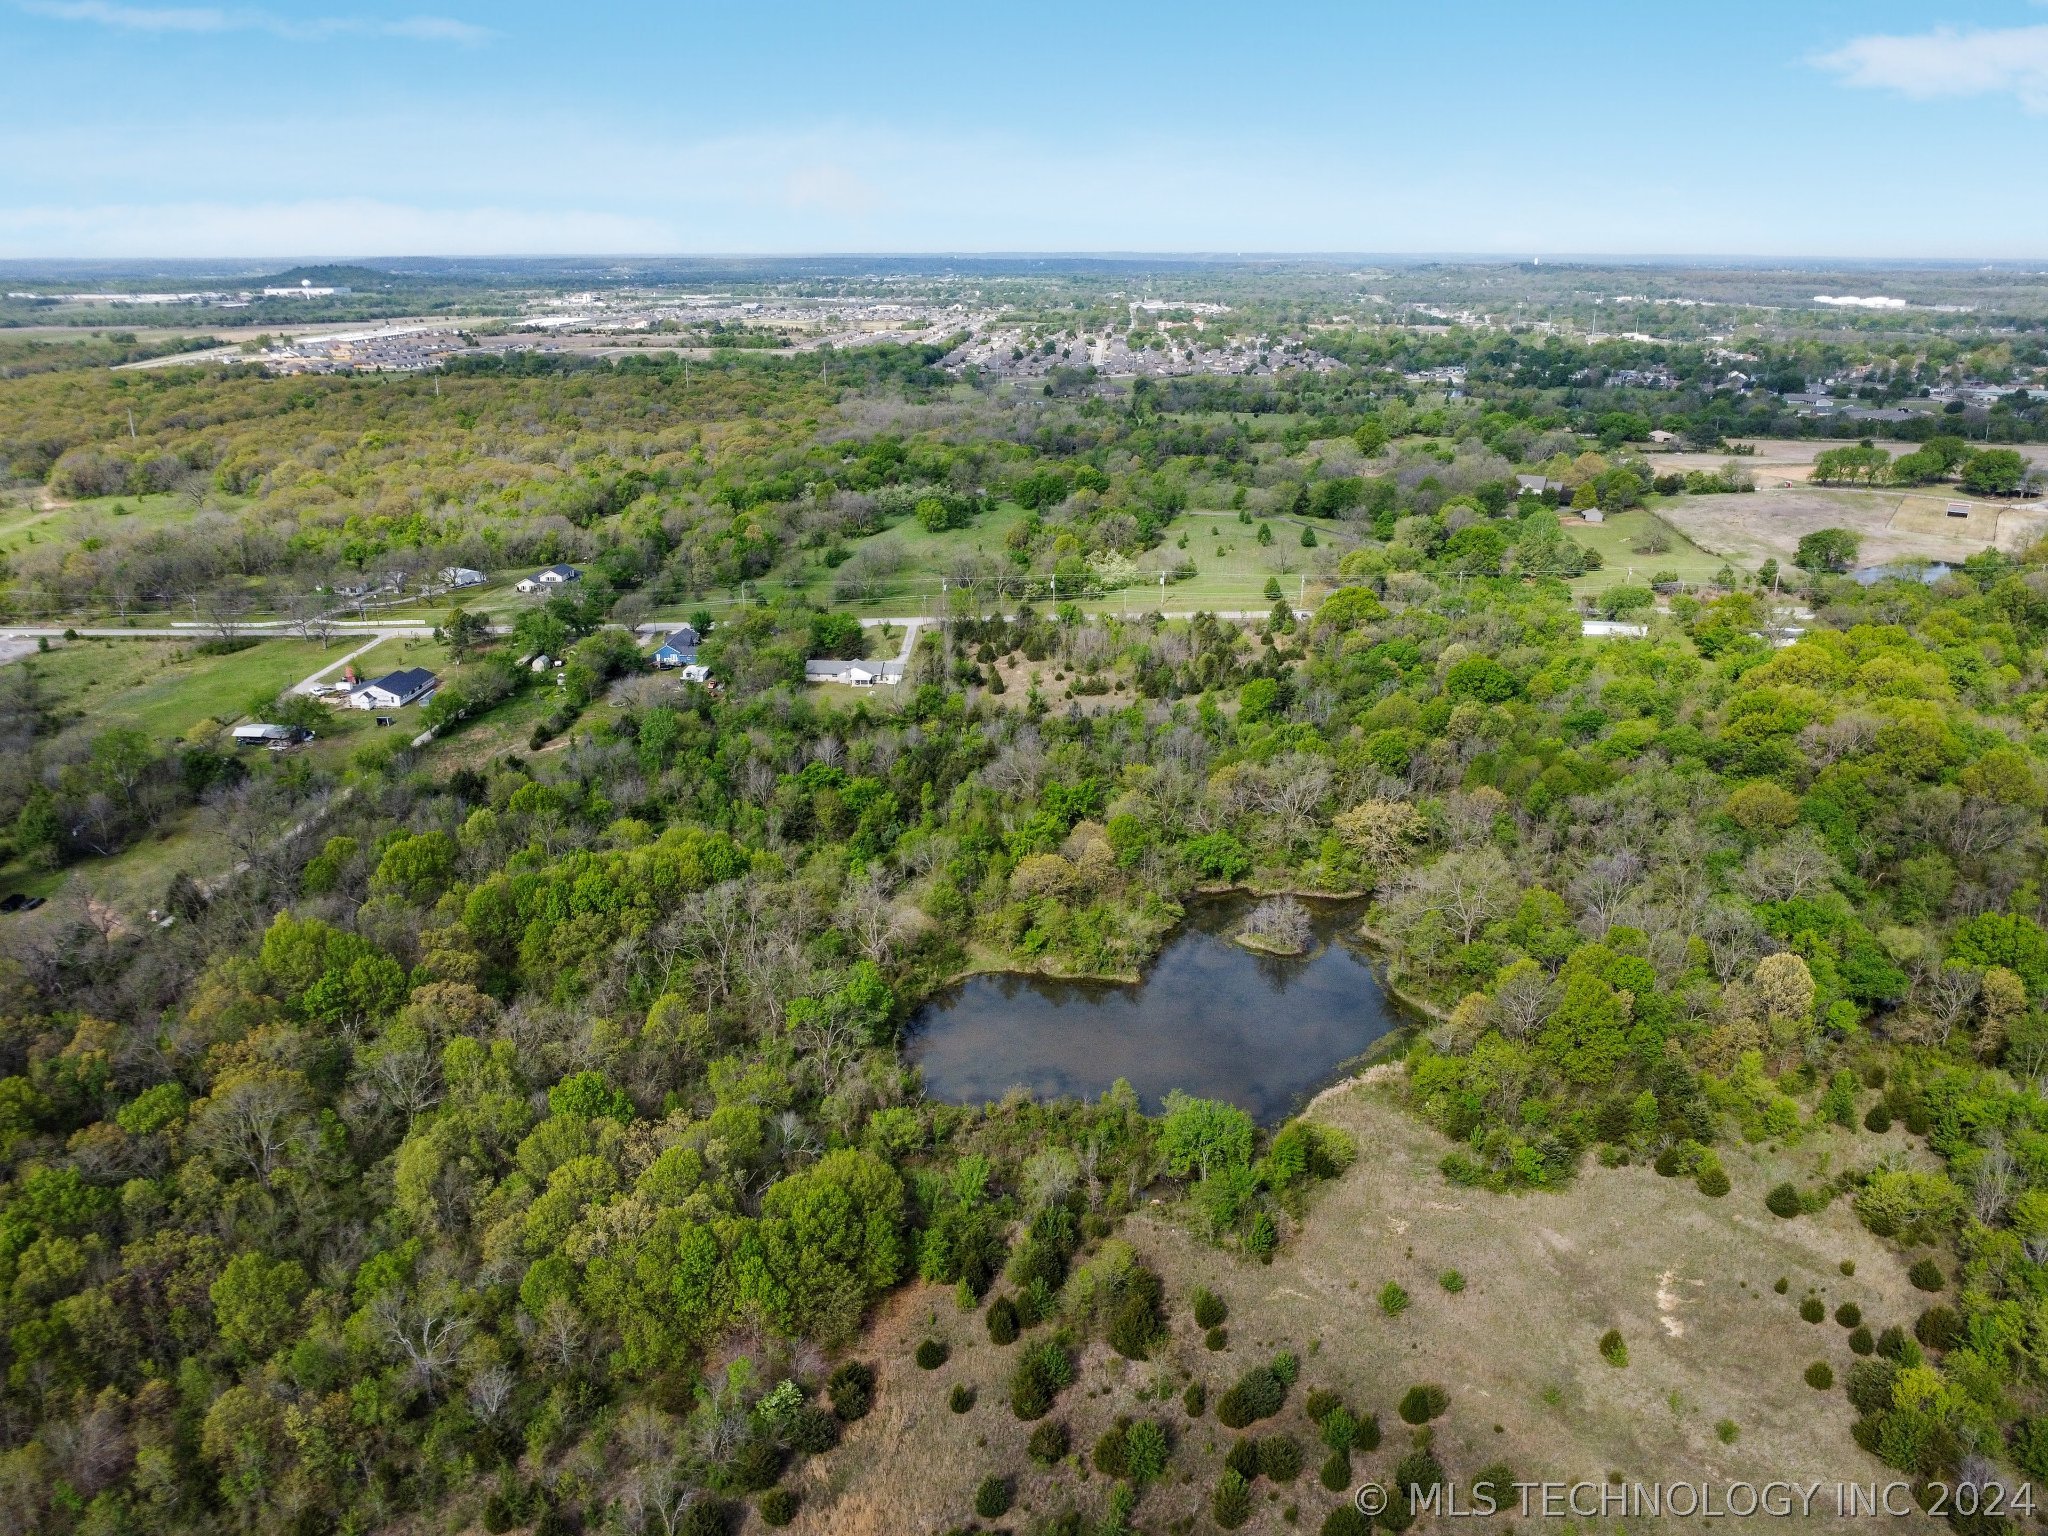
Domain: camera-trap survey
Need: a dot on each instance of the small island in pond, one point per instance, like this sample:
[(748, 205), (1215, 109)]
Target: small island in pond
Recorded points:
[(1279, 926)]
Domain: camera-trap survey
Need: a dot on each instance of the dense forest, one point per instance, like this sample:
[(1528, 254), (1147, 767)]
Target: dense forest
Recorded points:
[(526, 1141)]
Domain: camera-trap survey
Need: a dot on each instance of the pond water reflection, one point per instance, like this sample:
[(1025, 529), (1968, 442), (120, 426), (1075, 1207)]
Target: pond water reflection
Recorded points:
[(1211, 1018)]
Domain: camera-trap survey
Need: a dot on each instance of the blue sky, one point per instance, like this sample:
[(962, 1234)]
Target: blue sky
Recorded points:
[(340, 127)]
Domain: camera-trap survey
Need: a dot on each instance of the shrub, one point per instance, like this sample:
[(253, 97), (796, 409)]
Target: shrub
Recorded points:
[(1939, 1328), (1712, 1181), (1422, 1403), (1820, 1376), (1339, 1429), (755, 1465), (1109, 1456), (1614, 1348), (1496, 1481), (1848, 1314), (1319, 1404), (1848, 1266), (1879, 1119), (1145, 1451), (1367, 1436), (812, 1430), (1891, 1344), (1209, 1308), (1781, 1285), (1002, 1321), (1669, 1162), (1280, 1458), (1257, 1394), (1285, 1368), (932, 1353), (1418, 1469), (1049, 1442), (1783, 1200), (1926, 1275), (1393, 1300), (962, 1397), (1870, 1385), (777, 1507), (1243, 1457), (992, 1497), (707, 1517), (1347, 1520), (1231, 1505), (1452, 1280), (1727, 1431), (1195, 1401), (1039, 1378), (1336, 1471), (852, 1390), (1813, 1309), (1860, 1341)]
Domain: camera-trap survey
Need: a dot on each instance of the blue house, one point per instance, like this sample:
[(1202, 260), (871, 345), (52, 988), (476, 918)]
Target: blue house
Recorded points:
[(679, 649)]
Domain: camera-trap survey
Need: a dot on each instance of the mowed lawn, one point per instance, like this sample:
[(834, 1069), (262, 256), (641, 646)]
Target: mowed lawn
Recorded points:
[(1617, 538), (163, 687)]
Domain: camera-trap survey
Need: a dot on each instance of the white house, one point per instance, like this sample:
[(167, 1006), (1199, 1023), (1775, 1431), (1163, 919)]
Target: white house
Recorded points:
[(854, 674), (394, 690), (462, 576), (553, 576)]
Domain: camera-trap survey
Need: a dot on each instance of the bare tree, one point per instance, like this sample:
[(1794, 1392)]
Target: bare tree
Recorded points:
[(225, 609), (490, 1389), (1603, 887), (1995, 1183), (1469, 889), (253, 1119), (1798, 866), (1522, 998), (425, 1332)]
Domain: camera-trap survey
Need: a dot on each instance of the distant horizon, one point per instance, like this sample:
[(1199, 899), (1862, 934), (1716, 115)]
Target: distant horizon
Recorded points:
[(1732, 259)]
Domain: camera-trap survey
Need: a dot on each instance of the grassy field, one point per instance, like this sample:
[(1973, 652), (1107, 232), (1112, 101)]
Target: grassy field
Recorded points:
[(1688, 1282), (1616, 540), (25, 525), (161, 687)]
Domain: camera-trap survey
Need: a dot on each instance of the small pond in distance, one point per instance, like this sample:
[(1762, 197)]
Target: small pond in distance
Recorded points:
[(1211, 1018)]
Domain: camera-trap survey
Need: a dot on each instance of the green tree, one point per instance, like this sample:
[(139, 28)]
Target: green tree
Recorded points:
[(462, 633), (1828, 551), (255, 1302)]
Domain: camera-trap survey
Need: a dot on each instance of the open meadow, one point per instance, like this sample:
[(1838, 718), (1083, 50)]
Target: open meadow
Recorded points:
[(1712, 1390)]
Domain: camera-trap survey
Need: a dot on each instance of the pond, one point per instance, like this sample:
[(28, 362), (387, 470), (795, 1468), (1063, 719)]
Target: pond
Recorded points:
[(1211, 1018)]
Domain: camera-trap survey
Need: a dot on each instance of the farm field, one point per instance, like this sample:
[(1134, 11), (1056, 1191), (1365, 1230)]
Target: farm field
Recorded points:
[(1687, 1281), (1894, 525)]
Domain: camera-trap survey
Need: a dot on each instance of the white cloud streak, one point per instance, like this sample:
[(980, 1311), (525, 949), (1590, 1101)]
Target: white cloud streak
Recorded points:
[(1946, 63), (204, 19)]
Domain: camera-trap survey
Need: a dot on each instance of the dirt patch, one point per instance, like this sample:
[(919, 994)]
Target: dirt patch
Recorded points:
[(1688, 1281)]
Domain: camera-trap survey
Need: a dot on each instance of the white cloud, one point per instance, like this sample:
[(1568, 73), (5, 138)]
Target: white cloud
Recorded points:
[(1992, 61), (204, 19)]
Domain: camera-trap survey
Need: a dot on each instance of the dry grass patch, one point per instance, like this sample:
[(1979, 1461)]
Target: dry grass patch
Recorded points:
[(1685, 1280)]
